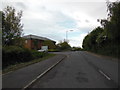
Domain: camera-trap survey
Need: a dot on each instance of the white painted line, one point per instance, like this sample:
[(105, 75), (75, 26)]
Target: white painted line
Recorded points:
[(39, 76), (104, 75)]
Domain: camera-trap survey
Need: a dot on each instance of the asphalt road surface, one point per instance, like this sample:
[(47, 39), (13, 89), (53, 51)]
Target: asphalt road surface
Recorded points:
[(22, 77), (81, 70), (78, 70)]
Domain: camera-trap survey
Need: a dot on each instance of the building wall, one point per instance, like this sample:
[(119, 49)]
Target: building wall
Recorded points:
[(40, 44), (32, 44), (29, 43)]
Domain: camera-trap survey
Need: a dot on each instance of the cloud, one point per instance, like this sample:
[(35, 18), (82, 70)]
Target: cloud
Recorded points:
[(77, 40), (21, 5), (52, 18)]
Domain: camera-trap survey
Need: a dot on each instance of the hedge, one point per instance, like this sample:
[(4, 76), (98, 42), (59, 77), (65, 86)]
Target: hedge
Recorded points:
[(13, 54), (36, 54)]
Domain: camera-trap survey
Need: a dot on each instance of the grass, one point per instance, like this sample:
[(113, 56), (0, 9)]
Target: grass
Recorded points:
[(104, 56), (21, 65)]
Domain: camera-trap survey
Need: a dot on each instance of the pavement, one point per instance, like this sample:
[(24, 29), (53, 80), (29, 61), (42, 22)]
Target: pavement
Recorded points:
[(22, 77), (81, 70)]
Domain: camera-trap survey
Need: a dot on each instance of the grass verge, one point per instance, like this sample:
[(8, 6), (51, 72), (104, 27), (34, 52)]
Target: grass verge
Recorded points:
[(104, 56), (21, 65)]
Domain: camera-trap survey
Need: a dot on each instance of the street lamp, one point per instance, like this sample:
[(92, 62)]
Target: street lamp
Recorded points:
[(67, 34)]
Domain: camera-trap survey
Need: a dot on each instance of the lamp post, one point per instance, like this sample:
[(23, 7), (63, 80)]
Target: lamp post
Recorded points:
[(67, 34)]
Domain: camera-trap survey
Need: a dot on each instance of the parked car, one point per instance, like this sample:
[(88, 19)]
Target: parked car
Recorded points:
[(41, 50)]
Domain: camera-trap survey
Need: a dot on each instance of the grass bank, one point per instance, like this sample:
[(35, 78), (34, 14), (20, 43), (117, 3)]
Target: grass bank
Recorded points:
[(104, 56)]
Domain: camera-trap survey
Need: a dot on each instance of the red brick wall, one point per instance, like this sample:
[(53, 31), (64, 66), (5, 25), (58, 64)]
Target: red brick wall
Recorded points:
[(30, 44), (40, 44)]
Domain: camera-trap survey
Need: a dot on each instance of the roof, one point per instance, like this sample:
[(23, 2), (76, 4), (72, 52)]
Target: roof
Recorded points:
[(36, 37)]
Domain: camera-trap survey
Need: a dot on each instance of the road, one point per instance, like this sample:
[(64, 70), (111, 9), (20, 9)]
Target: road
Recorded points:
[(81, 70), (22, 77)]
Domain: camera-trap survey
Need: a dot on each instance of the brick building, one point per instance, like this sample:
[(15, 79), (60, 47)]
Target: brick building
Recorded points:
[(34, 42)]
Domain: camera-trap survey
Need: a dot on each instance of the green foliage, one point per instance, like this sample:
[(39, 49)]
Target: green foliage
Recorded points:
[(112, 25), (37, 54), (13, 54), (106, 40), (76, 49), (90, 42), (11, 25), (63, 46), (53, 50), (49, 43), (35, 42)]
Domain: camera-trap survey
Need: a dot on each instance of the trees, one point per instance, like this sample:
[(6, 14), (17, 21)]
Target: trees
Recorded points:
[(76, 49), (11, 25), (112, 24), (63, 46), (49, 43), (105, 40), (90, 42), (0, 30)]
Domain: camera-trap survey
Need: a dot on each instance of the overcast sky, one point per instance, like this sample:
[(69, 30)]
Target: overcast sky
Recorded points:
[(52, 18)]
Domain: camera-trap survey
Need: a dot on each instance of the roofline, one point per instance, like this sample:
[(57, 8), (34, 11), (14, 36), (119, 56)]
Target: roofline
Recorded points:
[(36, 37)]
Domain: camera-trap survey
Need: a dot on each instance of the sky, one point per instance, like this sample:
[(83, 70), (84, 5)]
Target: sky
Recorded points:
[(54, 18)]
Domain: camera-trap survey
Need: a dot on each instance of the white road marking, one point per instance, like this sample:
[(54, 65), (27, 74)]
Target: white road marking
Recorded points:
[(39, 76), (104, 75)]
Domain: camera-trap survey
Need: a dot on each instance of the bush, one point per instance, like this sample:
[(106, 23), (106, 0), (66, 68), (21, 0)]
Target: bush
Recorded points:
[(76, 49), (14, 54), (53, 50), (110, 50), (37, 54), (63, 46)]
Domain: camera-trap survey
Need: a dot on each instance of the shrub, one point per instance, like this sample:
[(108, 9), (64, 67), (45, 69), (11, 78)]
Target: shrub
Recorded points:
[(52, 50), (14, 54), (37, 54)]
